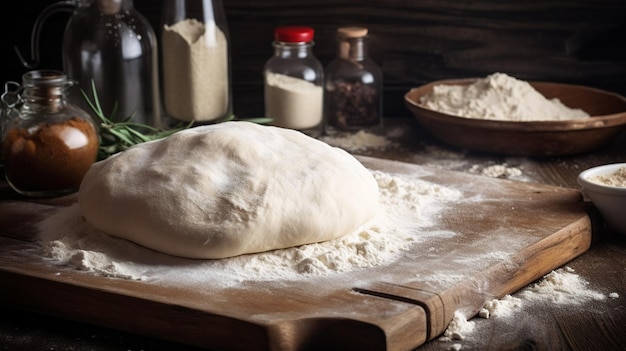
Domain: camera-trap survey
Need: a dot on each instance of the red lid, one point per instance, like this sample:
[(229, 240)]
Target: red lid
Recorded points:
[(294, 34)]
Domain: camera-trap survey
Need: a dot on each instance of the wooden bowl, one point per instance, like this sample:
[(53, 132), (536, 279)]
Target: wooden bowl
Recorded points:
[(532, 138)]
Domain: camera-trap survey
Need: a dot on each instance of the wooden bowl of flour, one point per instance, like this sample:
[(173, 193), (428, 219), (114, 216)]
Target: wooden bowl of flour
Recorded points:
[(528, 138)]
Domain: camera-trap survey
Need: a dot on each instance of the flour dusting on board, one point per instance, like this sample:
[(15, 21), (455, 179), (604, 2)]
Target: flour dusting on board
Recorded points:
[(407, 207)]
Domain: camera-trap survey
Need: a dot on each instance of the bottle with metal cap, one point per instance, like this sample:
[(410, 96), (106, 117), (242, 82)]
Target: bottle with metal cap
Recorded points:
[(353, 86), (294, 78)]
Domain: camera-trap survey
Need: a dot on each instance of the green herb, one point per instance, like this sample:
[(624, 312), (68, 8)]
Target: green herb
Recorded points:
[(119, 136)]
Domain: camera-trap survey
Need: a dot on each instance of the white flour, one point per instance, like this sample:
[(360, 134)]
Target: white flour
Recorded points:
[(458, 328), (617, 179), (293, 102), (358, 141), (561, 286), (406, 204), (195, 71), (503, 307), (498, 97), (361, 140), (497, 171)]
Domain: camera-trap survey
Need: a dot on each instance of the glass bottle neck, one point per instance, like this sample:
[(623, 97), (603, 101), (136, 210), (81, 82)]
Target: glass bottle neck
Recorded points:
[(292, 50), (353, 49), (44, 90), (107, 7)]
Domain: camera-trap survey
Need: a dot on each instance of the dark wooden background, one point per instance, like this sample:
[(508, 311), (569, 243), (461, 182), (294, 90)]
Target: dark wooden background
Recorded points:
[(415, 41)]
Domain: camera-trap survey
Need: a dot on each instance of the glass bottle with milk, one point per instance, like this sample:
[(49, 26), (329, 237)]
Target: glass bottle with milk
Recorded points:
[(195, 61), (294, 80)]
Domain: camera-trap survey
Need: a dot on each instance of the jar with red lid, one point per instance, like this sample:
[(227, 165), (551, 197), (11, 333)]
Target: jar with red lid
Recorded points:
[(294, 78)]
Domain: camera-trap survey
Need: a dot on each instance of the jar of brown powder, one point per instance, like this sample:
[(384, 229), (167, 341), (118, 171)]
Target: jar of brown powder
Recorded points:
[(48, 144)]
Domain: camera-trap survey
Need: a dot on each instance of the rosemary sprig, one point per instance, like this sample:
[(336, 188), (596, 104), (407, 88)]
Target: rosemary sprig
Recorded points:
[(119, 136)]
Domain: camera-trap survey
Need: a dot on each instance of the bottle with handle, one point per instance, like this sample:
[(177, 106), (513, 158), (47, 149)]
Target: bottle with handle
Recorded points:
[(109, 44)]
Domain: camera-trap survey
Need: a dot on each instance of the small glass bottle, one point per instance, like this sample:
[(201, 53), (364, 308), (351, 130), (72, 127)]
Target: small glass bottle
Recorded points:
[(294, 78), (353, 86), (48, 144), (195, 60)]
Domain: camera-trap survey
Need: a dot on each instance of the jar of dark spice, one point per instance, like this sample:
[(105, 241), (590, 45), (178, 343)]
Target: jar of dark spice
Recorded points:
[(353, 84), (48, 144)]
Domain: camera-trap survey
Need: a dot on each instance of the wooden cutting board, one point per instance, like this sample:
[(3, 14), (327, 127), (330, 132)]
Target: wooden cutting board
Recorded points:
[(384, 308)]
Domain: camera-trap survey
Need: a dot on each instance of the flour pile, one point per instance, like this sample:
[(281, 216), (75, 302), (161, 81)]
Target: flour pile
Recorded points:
[(498, 97), (617, 179), (561, 286), (407, 206)]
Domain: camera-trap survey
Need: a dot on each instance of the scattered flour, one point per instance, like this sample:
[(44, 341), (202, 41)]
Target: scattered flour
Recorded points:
[(617, 179), (561, 286), (497, 171), (498, 97), (500, 307), (458, 328), (359, 141), (406, 206)]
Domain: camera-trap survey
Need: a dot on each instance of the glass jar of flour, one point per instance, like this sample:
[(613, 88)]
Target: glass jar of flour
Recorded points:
[(294, 78), (195, 61)]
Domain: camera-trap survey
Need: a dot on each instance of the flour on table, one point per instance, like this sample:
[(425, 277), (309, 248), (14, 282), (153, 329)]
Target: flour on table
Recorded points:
[(359, 141), (498, 97), (562, 286), (406, 207), (503, 307), (497, 171), (458, 328)]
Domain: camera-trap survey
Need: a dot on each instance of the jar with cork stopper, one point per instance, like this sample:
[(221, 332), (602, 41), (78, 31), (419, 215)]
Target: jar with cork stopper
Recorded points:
[(353, 84), (294, 78)]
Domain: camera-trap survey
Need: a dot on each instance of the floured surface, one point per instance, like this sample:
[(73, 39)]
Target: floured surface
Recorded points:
[(409, 208), (470, 249)]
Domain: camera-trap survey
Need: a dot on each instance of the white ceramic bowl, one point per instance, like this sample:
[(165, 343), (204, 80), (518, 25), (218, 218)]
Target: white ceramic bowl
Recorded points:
[(609, 200)]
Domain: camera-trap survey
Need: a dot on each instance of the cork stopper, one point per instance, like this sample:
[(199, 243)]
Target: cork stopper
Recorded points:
[(351, 42), (352, 32)]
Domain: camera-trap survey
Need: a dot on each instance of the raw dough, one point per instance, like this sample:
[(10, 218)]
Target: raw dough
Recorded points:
[(229, 189)]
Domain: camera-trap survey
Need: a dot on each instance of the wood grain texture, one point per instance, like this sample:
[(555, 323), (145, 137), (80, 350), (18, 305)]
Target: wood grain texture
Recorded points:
[(391, 307)]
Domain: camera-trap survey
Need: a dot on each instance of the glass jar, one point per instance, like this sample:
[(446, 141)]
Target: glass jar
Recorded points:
[(195, 60), (294, 78), (48, 144), (354, 83), (110, 44)]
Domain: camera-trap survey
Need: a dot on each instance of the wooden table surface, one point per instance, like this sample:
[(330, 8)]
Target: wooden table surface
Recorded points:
[(593, 325)]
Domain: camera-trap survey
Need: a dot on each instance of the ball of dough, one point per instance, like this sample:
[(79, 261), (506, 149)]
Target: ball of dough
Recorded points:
[(228, 189)]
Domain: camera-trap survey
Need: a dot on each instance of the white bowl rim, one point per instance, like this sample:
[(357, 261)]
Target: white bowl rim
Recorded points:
[(601, 170)]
